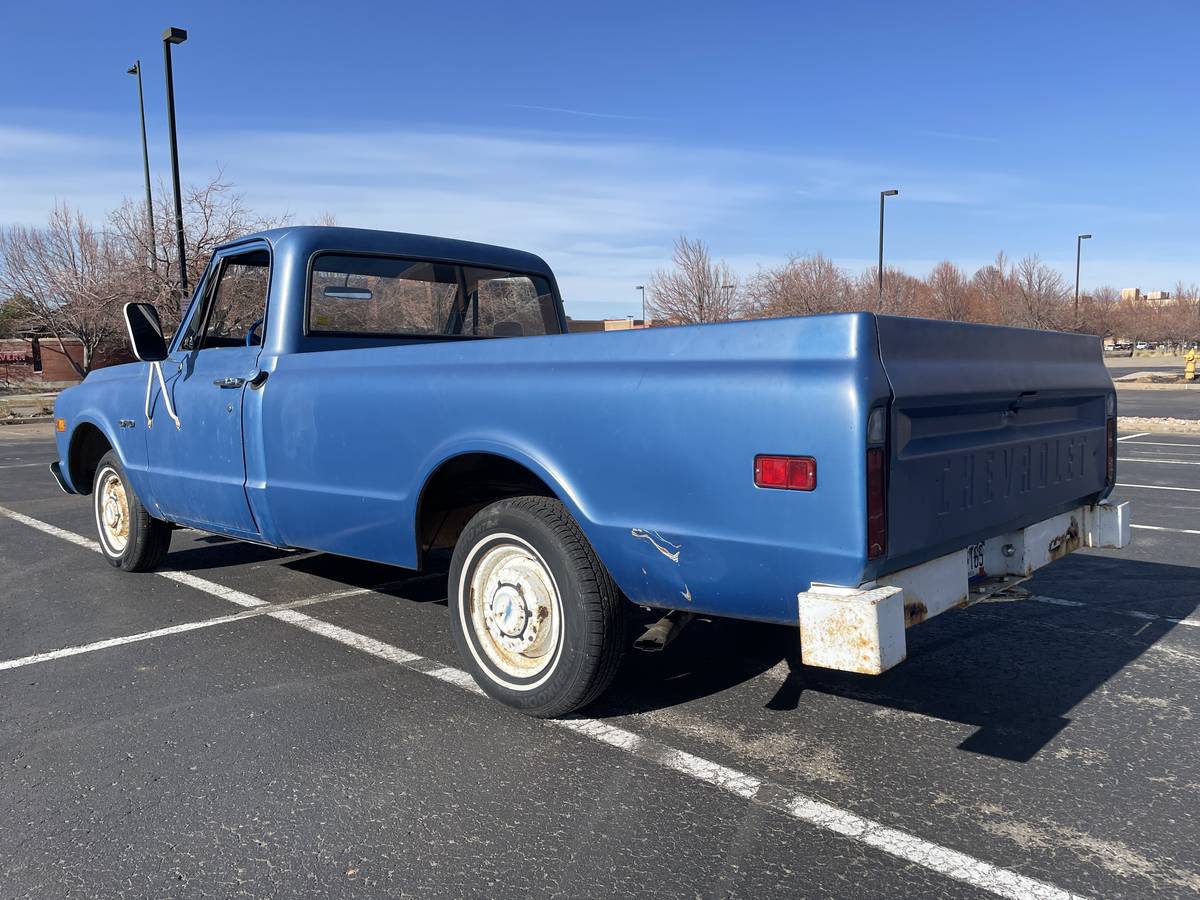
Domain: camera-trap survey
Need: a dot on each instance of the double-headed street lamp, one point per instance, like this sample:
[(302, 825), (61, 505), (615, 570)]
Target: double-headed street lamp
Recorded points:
[(136, 69), (1079, 239), (883, 195), (169, 37)]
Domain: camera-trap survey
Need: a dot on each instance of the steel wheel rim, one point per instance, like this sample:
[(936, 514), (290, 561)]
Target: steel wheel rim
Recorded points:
[(515, 611), (112, 511)]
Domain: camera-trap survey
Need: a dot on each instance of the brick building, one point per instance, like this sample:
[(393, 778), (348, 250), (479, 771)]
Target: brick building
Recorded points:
[(37, 360), (574, 325)]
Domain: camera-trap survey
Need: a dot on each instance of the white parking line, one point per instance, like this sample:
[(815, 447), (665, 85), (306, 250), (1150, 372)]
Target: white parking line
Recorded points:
[(1160, 487), (1173, 462), (1172, 530), (265, 609), (1132, 613), (1130, 437), (78, 539), (23, 465), (1157, 443), (1140, 451), (893, 841)]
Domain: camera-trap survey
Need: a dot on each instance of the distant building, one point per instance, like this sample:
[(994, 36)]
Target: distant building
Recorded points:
[(38, 360), (606, 324), (1135, 294)]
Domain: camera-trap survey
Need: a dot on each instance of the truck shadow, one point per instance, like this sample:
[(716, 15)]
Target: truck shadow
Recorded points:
[(1015, 670)]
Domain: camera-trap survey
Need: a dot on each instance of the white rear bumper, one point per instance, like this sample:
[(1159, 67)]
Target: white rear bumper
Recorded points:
[(861, 629)]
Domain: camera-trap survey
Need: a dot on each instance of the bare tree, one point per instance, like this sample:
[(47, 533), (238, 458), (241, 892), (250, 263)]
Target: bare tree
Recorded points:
[(213, 213), (903, 294), (950, 292), (993, 286), (802, 286), (1099, 312), (696, 290), (72, 278), (1040, 295)]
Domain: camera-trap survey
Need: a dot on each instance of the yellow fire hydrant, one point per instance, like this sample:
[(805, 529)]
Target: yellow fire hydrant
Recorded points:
[(1189, 368)]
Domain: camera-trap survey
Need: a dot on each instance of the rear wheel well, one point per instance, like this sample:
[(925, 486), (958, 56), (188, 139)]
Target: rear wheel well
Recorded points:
[(88, 446), (462, 486)]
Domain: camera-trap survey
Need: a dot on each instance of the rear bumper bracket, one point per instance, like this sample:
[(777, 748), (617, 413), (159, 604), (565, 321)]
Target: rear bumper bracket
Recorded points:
[(861, 629)]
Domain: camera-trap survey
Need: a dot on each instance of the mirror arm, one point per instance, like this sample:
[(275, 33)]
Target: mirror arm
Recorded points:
[(157, 367)]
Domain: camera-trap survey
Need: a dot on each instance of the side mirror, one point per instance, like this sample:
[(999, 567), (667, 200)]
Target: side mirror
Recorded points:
[(145, 332)]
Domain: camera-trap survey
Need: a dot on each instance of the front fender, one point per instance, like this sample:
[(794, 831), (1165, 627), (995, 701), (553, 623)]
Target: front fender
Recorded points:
[(85, 407)]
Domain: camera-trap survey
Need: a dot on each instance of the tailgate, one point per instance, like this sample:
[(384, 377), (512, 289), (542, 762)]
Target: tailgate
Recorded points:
[(992, 429)]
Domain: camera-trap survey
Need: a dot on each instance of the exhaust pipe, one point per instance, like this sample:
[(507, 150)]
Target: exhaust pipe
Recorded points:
[(662, 632)]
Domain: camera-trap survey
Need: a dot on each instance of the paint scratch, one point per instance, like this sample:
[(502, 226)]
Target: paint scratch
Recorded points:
[(660, 543), (687, 593)]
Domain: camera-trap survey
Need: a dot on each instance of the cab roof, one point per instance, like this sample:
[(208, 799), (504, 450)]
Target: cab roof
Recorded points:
[(304, 240)]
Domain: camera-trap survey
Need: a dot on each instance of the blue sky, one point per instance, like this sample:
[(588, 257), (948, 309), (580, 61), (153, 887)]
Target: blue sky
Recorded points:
[(595, 134)]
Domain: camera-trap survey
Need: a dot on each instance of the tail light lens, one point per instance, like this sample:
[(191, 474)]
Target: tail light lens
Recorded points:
[(1111, 472), (876, 505)]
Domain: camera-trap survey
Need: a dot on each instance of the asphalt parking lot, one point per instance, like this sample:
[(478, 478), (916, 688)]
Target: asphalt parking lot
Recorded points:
[(1179, 404), (251, 722)]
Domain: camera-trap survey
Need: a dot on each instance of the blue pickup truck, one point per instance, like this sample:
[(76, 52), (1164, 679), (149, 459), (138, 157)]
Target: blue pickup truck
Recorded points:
[(404, 399)]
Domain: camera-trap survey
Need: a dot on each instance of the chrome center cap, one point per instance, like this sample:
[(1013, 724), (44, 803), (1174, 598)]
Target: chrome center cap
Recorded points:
[(508, 611), (112, 513)]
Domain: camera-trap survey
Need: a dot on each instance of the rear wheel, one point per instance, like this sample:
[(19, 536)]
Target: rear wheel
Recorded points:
[(536, 616), (130, 538)]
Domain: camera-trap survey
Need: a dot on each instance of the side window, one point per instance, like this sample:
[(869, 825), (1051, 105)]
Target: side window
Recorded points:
[(505, 304), (382, 295), (239, 302)]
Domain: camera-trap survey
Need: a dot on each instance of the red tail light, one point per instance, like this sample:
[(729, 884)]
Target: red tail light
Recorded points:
[(786, 473), (1112, 452), (876, 505)]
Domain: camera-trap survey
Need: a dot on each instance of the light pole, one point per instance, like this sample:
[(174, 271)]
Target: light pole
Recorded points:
[(169, 37), (883, 195), (1079, 239), (642, 288), (136, 69)]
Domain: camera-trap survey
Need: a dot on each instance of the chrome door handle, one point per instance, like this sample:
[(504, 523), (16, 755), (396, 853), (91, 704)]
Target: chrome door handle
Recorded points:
[(229, 382)]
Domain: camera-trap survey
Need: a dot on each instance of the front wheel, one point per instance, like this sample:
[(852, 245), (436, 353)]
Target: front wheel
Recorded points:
[(536, 616), (130, 538)]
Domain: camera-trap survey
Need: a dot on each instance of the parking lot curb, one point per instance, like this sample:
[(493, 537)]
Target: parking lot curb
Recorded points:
[(1155, 386)]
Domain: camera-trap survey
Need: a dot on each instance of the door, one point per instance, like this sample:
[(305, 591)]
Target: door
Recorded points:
[(198, 470)]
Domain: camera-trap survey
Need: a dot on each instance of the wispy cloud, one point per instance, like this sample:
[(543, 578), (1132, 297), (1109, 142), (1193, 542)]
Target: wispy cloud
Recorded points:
[(960, 136), (603, 211), (582, 112)]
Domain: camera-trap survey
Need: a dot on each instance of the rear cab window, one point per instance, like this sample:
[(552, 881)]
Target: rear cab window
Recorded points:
[(386, 296)]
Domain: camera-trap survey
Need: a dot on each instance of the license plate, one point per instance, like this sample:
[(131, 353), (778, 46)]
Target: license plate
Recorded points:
[(974, 559)]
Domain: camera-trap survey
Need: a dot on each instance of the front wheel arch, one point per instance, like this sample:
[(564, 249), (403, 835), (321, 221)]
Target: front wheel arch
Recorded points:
[(87, 447)]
